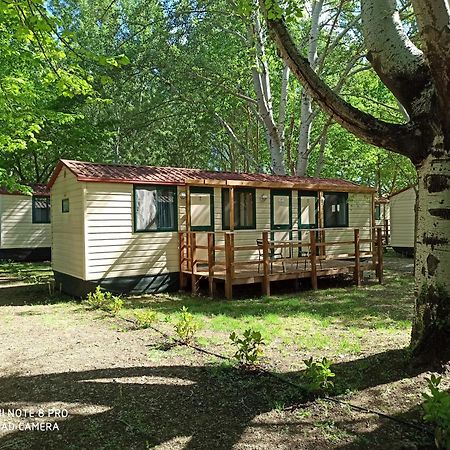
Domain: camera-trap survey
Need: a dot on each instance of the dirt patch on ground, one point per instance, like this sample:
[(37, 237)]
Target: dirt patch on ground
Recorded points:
[(126, 389)]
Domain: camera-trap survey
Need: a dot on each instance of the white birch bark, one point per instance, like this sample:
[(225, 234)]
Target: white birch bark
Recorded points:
[(283, 104), (261, 83), (432, 256), (306, 113)]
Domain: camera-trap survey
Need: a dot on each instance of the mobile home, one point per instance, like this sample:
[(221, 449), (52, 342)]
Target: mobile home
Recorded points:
[(403, 220), (126, 227), (25, 230)]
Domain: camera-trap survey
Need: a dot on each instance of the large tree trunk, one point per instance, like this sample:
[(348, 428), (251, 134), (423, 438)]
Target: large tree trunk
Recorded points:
[(431, 326)]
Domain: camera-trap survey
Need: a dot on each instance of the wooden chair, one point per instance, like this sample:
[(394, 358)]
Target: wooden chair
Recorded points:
[(274, 254), (307, 255)]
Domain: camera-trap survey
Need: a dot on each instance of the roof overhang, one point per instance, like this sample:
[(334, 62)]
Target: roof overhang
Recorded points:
[(313, 186), (284, 185)]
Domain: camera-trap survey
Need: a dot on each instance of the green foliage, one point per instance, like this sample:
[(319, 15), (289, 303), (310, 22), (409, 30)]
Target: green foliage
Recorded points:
[(186, 327), (276, 9), (437, 411), (145, 319), (318, 374), (104, 300), (249, 347)]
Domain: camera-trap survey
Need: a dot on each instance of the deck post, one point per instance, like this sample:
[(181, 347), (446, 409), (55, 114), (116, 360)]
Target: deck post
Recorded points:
[(357, 273), (313, 253), (228, 267), (266, 264), (194, 277), (182, 252), (373, 225), (379, 255), (211, 263), (188, 229)]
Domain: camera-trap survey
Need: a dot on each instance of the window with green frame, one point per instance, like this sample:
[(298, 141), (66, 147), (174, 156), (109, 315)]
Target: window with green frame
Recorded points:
[(378, 212), (280, 209), (244, 209), (335, 209), (308, 214), (155, 208), (41, 209), (202, 208), (65, 205)]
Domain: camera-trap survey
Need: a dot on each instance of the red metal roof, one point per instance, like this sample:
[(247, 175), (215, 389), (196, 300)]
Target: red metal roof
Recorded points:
[(114, 173), (38, 189)]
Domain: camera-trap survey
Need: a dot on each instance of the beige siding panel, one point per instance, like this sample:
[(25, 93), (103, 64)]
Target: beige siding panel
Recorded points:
[(17, 228), (217, 209), (68, 248), (403, 218), (113, 248), (295, 210), (262, 209)]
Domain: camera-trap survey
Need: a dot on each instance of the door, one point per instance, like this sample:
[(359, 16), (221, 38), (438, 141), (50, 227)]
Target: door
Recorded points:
[(202, 209), (201, 200), (281, 219), (308, 218)]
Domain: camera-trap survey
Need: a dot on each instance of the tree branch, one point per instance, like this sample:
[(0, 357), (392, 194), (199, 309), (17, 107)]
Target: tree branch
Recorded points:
[(397, 138), (395, 59), (433, 18)]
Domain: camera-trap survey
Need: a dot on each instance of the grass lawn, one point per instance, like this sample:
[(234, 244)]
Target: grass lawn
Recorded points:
[(126, 388)]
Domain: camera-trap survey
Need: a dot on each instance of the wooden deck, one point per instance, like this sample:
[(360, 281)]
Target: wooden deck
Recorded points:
[(270, 261)]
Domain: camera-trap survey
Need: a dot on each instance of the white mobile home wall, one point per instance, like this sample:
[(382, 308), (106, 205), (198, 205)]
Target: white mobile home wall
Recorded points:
[(403, 219), (20, 238)]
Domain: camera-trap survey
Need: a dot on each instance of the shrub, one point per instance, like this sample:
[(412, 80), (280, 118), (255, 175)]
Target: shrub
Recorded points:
[(186, 327), (437, 411), (249, 347), (318, 374), (144, 319), (104, 300)]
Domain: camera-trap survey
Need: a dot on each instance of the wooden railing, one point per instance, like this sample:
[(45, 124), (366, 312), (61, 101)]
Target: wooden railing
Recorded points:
[(216, 257)]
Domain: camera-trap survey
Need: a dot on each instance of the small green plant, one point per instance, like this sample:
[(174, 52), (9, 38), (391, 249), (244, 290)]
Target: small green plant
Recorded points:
[(318, 374), (144, 319), (104, 300), (249, 347), (437, 411), (186, 327)]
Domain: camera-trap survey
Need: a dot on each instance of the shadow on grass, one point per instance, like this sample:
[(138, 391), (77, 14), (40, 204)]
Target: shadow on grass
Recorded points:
[(142, 407), (32, 294), (352, 306)]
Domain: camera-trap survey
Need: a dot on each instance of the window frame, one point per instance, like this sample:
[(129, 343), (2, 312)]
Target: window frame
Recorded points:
[(252, 191), (280, 192), (346, 225), (33, 208), (157, 187), (377, 212), (312, 194), (63, 210), (203, 190)]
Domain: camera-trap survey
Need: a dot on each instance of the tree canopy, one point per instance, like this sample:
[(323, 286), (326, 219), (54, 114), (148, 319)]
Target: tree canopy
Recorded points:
[(176, 83)]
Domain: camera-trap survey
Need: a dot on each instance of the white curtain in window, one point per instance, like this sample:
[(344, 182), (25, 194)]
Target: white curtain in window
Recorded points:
[(146, 208)]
